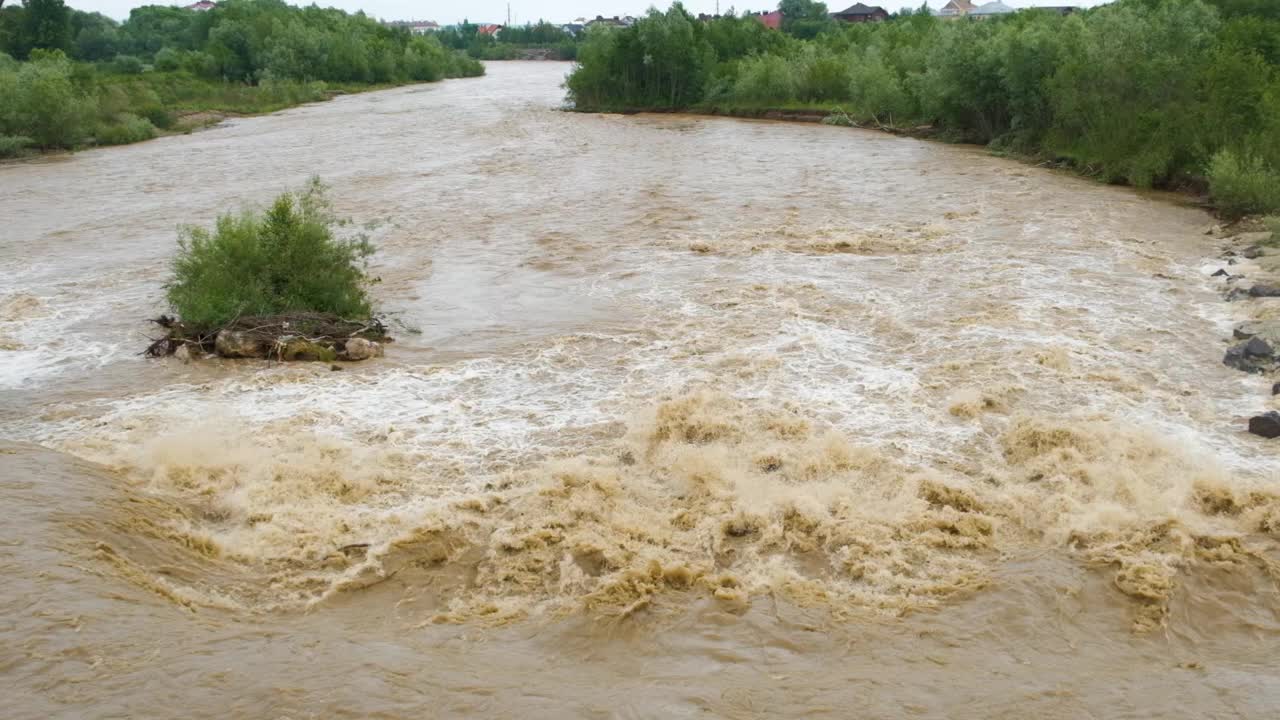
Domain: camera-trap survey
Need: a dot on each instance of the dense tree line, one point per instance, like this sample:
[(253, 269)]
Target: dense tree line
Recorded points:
[(510, 41), (69, 77), (240, 40), (1147, 92)]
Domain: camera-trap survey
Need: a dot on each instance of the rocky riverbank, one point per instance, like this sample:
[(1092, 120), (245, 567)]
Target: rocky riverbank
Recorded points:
[(292, 337), (1251, 276)]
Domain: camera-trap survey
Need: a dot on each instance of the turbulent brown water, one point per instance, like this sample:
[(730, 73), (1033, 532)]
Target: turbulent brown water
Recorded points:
[(687, 417)]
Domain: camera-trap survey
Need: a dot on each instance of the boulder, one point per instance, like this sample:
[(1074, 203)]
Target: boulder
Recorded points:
[(297, 348), (1220, 273), (357, 349), (183, 353), (1259, 348), (239, 344), (1260, 291), (1275, 389), (1268, 330), (1266, 425), (1253, 355)]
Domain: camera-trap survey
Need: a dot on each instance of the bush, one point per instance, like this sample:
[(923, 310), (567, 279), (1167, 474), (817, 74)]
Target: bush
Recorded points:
[(822, 77), (11, 145), (40, 101), (126, 129), (168, 59), (201, 64), (876, 91), (284, 260), (127, 65), (1242, 186), (765, 79)]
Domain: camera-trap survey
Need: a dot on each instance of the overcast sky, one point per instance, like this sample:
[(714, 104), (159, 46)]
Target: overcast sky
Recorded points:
[(451, 11)]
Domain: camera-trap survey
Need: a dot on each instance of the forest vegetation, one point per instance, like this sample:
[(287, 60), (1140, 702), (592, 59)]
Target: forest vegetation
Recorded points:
[(70, 78), (512, 42), (1153, 93)]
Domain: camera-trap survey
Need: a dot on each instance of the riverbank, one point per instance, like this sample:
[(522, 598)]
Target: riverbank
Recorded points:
[(1194, 109), (1195, 189), (165, 104)]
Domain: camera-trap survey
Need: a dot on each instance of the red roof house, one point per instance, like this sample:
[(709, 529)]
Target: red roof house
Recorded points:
[(771, 19)]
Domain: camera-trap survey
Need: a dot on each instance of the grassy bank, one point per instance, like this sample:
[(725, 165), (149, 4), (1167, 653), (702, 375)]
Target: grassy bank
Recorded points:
[(1153, 93), (52, 104), (70, 79)]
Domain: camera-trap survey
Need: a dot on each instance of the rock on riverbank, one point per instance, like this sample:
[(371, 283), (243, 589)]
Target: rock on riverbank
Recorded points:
[(290, 337), (1254, 280)]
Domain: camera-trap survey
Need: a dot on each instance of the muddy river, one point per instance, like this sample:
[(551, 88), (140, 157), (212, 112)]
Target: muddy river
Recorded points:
[(686, 417)]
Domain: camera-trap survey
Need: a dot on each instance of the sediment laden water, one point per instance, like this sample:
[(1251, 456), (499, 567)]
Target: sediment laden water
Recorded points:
[(687, 416)]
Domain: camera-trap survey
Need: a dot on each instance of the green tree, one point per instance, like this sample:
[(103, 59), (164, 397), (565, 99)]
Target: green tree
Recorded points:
[(46, 25), (804, 18), (287, 259), (44, 104), (96, 37)]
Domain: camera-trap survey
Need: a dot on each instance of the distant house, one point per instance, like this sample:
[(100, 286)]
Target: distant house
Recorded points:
[(772, 20), (991, 9), (491, 30), (202, 6), (574, 29), (418, 27), (956, 8), (861, 13), (1060, 9), (614, 21)]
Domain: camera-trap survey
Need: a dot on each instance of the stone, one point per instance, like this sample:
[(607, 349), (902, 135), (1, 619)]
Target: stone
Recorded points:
[(1268, 330), (302, 349), (1259, 291), (1257, 347), (1251, 253), (1275, 389), (183, 353), (1266, 425), (237, 344), (357, 349), (1254, 355), (1221, 273)]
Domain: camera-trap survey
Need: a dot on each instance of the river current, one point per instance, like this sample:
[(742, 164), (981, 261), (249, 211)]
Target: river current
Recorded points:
[(685, 417)]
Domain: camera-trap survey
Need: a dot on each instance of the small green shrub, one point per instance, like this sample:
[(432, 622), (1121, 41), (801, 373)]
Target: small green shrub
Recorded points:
[(765, 79), (1241, 186), (11, 145), (287, 259), (127, 128), (42, 102), (168, 59), (127, 65)]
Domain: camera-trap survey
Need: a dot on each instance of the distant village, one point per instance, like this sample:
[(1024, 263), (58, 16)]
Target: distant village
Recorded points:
[(856, 13)]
